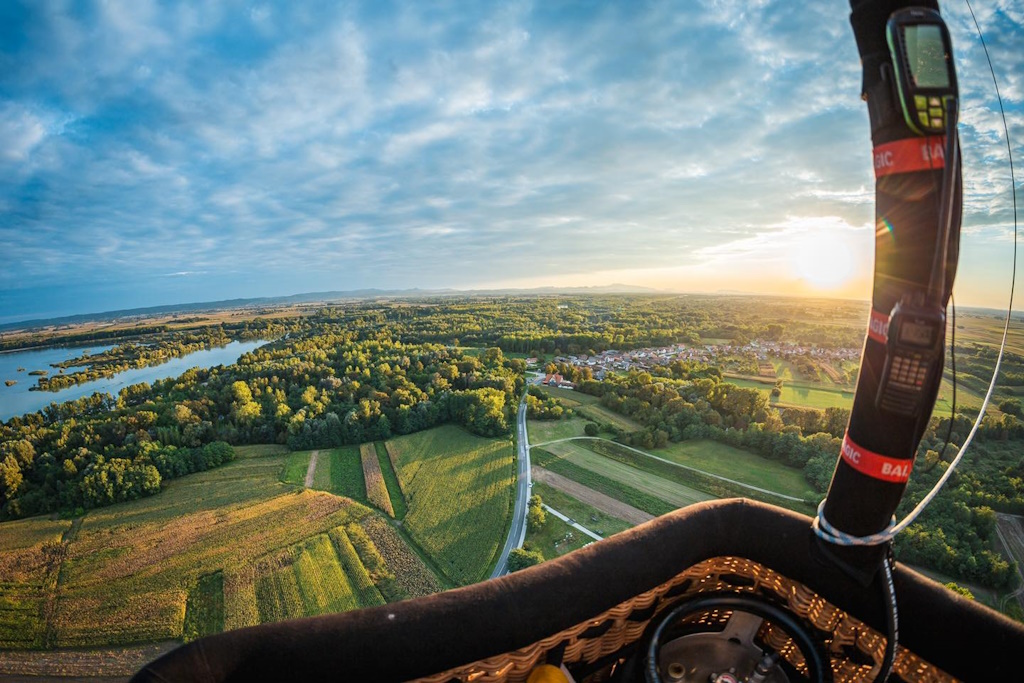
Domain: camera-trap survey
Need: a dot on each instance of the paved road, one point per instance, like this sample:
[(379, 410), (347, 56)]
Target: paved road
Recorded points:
[(517, 532)]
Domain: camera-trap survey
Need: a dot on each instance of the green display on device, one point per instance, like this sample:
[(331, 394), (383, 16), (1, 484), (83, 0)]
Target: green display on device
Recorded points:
[(922, 56)]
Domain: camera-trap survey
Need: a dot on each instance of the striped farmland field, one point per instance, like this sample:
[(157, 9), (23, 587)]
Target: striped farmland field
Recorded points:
[(359, 577), (460, 491), (376, 489), (393, 457)]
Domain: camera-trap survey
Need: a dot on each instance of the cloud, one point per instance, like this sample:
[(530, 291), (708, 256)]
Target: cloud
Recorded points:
[(255, 146)]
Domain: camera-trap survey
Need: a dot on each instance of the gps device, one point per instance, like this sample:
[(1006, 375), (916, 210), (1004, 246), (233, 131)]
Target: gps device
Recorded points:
[(922, 56), (913, 354)]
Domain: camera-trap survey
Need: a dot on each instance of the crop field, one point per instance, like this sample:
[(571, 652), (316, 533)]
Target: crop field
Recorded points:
[(362, 583), (715, 487), (309, 581), (678, 495), (612, 507), (376, 489), (346, 472), (410, 575), (986, 329), (338, 470), (138, 571), (391, 481), (602, 415), (597, 521), (204, 610), (550, 430), (459, 490), (634, 497), (93, 664), (30, 556), (736, 463)]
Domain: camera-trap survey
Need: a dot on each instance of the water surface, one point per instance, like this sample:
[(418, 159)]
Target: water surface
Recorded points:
[(18, 400)]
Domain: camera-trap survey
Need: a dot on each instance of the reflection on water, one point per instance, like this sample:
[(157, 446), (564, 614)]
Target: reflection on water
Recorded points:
[(18, 399)]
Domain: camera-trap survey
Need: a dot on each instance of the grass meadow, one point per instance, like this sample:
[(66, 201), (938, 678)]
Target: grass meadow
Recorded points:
[(736, 463)]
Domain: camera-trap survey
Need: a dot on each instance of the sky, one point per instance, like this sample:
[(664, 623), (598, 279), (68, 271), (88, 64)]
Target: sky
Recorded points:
[(159, 153)]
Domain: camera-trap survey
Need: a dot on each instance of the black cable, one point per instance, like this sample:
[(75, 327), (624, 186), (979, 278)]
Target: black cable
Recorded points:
[(952, 362), (892, 617)]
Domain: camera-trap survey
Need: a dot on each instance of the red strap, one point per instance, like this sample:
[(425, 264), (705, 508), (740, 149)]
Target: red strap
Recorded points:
[(878, 327), (910, 155), (875, 465)]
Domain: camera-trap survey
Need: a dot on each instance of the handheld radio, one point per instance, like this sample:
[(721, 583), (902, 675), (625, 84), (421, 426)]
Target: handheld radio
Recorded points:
[(913, 353)]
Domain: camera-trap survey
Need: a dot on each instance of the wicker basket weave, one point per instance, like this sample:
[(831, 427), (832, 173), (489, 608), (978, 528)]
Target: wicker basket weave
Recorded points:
[(855, 650)]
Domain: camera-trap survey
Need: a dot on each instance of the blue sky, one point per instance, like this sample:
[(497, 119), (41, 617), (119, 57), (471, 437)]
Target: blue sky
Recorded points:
[(158, 153)]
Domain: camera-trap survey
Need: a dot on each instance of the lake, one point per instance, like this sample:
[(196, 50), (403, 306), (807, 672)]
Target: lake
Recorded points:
[(18, 400)]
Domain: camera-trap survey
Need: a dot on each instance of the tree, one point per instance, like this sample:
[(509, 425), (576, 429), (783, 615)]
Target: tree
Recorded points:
[(10, 478), (960, 590), (1012, 406), (591, 429), (536, 516), (521, 559)]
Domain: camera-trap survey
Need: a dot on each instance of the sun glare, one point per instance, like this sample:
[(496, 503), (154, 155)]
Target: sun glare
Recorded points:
[(823, 259)]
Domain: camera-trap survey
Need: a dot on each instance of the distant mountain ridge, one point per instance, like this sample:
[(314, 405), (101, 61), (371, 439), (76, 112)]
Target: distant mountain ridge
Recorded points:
[(314, 297)]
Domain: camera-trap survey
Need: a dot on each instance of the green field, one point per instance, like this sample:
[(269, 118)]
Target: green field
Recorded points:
[(346, 472), (603, 415), (599, 522), (183, 562), (671, 492), (309, 582), (736, 463), (569, 397), (555, 538), (391, 482), (541, 431), (295, 467), (459, 489)]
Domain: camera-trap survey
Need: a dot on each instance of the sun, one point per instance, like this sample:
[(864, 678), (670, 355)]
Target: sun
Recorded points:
[(823, 259)]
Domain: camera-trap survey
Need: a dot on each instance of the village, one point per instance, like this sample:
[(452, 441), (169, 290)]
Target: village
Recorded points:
[(646, 359)]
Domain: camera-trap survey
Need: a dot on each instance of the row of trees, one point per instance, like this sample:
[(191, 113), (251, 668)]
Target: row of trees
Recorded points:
[(956, 532)]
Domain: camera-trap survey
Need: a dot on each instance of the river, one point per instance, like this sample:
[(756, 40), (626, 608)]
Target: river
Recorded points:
[(18, 400)]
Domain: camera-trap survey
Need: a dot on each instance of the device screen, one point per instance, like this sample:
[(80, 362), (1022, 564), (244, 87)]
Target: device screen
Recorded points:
[(926, 56), (919, 335)]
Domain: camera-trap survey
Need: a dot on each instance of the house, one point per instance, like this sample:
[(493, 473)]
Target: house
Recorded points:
[(557, 380)]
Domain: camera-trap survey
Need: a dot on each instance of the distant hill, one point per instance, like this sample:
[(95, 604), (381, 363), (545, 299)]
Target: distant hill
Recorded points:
[(312, 297)]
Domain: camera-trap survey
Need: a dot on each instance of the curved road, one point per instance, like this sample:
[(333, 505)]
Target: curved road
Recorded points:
[(517, 532)]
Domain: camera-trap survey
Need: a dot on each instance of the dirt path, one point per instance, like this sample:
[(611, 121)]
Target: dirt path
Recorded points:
[(311, 470), (587, 495)]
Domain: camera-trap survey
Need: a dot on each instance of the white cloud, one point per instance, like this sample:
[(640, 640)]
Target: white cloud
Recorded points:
[(20, 132)]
